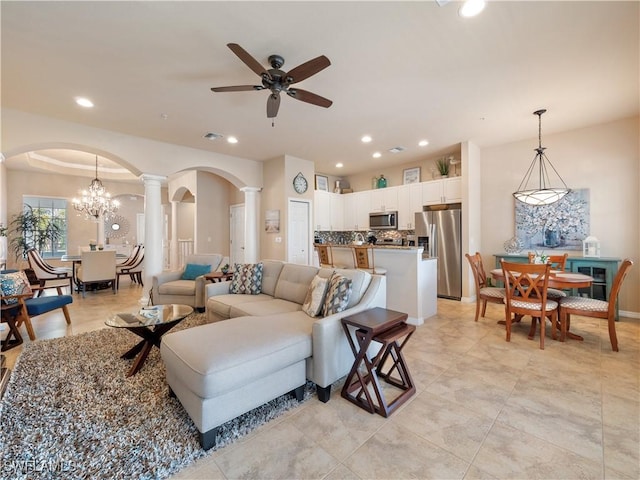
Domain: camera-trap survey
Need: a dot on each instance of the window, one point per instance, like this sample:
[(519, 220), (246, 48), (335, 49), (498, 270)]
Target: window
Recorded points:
[(56, 209)]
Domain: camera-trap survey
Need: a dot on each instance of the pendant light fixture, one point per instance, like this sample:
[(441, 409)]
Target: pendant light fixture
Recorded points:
[(542, 193), (96, 201)]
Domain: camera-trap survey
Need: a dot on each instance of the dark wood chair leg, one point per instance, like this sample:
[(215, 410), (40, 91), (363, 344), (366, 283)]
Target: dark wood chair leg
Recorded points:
[(298, 392)]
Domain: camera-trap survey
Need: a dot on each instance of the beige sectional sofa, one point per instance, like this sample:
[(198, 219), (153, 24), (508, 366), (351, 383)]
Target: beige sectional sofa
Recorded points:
[(261, 346)]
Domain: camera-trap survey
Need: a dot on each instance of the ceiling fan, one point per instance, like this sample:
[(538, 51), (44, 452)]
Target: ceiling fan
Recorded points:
[(278, 81)]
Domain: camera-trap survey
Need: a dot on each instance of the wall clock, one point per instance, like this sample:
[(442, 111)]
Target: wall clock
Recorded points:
[(300, 183)]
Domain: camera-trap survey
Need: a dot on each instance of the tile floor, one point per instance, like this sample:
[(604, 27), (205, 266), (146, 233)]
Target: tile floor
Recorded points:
[(484, 408)]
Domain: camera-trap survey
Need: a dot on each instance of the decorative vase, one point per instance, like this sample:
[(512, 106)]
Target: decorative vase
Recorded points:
[(551, 238), (382, 182), (92, 247)]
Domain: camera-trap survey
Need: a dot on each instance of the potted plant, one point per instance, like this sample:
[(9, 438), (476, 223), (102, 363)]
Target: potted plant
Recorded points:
[(443, 166), (33, 228)]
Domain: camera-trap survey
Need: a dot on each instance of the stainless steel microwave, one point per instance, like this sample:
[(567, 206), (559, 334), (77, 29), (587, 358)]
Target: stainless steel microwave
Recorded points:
[(383, 221)]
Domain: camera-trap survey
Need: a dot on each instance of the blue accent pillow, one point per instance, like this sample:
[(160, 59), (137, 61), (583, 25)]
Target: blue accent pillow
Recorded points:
[(193, 270)]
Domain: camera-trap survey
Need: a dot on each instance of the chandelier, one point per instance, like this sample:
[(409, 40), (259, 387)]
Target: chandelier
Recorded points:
[(541, 193), (96, 201)]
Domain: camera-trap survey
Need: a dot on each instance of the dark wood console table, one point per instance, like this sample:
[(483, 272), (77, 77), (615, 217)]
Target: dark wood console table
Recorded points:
[(390, 330)]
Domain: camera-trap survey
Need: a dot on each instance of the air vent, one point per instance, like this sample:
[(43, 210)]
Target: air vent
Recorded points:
[(397, 149), (212, 136)]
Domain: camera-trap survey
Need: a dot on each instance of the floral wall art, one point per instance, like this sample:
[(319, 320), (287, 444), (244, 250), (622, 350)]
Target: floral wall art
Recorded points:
[(562, 225)]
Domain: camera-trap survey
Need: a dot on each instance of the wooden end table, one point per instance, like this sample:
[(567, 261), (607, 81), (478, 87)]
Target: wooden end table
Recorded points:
[(388, 328), (150, 330), (214, 277)]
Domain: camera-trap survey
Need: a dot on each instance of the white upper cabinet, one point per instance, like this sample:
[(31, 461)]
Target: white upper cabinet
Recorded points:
[(384, 199), (446, 190), (356, 210), (328, 211), (409, 202)]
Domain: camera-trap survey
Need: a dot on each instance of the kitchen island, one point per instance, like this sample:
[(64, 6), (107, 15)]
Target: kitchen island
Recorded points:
[(411, 280)]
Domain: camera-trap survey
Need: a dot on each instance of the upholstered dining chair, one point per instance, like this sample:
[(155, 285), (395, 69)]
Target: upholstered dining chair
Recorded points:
[(591, 307), (526, 294), (19, 305), (557, 262), (484, 293), (325, 255), (48, 274), (363, 259), (97, 267), (131, 258), (133, 268)]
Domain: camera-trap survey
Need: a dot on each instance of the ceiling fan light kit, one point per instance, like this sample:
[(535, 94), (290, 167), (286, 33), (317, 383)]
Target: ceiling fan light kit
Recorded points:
[(277, 81), (541, 193)]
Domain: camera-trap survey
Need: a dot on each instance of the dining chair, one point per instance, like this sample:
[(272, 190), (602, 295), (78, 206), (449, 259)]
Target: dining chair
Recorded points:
[(97, 267), (19, 305), (46, 273), (130, 259), (558, 262), (325, 255), (484, 293), (132, 268), (363, 259), (591, 307), (526, 294)]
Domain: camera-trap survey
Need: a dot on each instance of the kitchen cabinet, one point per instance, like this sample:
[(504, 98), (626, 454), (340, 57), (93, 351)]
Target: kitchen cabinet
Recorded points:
[(409, 202), (356, 210), (384, 199), (328, 211), (446, 190)]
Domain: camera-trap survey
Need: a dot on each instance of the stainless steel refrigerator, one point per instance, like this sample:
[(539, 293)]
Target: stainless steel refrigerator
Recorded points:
[(439, 229)]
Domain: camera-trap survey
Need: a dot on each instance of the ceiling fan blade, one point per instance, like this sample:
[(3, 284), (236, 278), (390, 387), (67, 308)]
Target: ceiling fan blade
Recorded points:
[(238, 88), (307, 69), (248, 60), (273, 104), (309, 97)]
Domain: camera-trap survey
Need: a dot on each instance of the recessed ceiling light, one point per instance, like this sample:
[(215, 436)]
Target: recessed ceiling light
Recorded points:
[(423, 143), (84, 102), (232, 140), (339, 165), (377, 155), (471, 8), (366, 139)]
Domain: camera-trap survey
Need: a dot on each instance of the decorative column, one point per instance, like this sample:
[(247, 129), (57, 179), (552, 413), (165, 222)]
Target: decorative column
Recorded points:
[(251, 218), (173, 255), (153, 230)]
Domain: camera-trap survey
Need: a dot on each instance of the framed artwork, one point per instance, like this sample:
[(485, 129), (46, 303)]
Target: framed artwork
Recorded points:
[(322, 183), (411, 175), (562, 225), (272, 221)]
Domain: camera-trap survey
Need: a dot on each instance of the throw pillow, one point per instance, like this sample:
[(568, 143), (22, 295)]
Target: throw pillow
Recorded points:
[(15, 283), (314, 301), (338, 294), (247, 279), (194, 270)]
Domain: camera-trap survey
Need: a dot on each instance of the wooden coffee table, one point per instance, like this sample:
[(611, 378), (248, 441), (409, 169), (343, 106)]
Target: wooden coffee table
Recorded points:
[(388, 328), (149, 328)]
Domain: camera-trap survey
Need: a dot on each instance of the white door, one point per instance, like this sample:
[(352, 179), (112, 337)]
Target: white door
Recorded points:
[(299, 244), (236, 234)]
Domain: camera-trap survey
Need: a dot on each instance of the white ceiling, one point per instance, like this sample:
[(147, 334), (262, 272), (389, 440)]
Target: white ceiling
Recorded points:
[(401, 72)]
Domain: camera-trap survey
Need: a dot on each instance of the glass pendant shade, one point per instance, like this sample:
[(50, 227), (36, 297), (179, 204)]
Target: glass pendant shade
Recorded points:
[(96, 201), (540, 192)]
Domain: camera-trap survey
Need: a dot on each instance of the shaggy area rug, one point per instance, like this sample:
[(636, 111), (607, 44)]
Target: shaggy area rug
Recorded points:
[(70, 412)]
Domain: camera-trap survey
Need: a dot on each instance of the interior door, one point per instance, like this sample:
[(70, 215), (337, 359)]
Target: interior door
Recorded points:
[(236, 234), (299, 244)]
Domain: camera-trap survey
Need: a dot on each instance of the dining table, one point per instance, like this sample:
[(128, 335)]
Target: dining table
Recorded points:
[(558, 279)]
